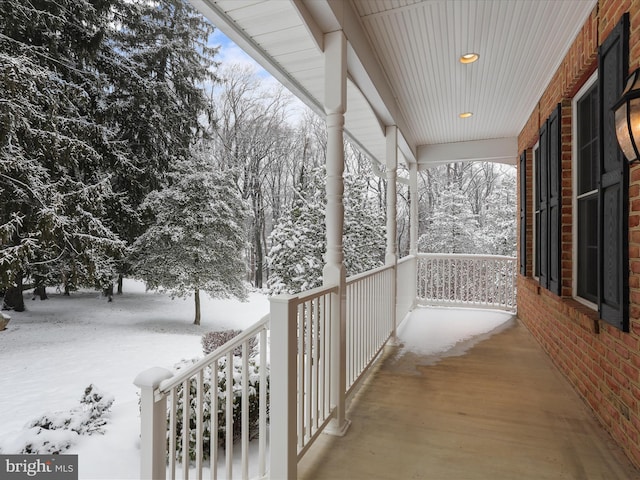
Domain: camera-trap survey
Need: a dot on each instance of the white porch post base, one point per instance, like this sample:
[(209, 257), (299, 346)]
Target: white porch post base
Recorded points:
[(336, 430), (153, 424)]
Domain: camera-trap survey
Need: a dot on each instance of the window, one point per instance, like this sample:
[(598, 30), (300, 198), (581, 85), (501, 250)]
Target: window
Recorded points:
[(586, 136)]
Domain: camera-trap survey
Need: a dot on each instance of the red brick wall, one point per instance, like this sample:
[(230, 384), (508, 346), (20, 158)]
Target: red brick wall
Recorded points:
[(602, 363)]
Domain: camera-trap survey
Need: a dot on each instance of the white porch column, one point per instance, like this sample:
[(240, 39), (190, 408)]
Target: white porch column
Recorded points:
[(413, 193), (335, 104), (392, 170), (391, 257)]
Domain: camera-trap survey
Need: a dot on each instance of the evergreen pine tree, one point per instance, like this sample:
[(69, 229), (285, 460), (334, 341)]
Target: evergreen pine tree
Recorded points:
[(196, 239), (53, 181), (298, 238)]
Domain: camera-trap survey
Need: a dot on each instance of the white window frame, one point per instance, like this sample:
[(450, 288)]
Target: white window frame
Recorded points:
[(574, 189)]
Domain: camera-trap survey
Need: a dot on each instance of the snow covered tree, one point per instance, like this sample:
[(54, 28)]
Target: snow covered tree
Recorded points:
[(498, 231), (452, 225), (196, 238), (158, 107), (298, 239), (53, 146), (468, 208), (98, 98)]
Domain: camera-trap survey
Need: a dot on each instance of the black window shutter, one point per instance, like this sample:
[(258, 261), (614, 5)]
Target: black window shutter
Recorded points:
[(554, 199), (523, 212), (543, 235), (613, 259)]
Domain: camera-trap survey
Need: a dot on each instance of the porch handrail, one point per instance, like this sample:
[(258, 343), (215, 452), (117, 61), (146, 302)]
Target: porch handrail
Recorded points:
[(479, 281)]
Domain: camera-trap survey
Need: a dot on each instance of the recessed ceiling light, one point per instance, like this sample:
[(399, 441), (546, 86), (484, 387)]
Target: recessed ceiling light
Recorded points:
[(466, 115), (469, 58)]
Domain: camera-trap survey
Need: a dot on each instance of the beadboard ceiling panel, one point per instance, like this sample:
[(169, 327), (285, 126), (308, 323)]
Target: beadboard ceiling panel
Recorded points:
[(403, 60)]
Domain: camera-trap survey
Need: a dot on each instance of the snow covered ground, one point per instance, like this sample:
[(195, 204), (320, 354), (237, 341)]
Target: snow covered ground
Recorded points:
[(52, 352)]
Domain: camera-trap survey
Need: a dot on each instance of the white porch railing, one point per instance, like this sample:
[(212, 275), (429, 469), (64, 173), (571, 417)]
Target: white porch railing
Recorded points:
[(305, 361), (203, 397), (479, 281), (370, 318)]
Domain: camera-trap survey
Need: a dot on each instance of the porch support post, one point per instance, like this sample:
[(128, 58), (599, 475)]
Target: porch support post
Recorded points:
[(391, 257), (335, 104), (413, 194), (153, 424), (282, 412)]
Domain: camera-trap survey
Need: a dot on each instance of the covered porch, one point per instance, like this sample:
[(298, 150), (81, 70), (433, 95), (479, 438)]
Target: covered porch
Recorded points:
[(501, 410), (387, 74)]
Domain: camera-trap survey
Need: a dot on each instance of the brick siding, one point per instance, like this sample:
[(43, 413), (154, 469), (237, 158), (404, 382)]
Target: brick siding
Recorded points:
[(601, 362)]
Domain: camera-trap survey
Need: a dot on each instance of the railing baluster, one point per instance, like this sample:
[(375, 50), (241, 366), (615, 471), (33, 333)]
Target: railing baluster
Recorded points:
[(300, 330), (262, 429), (245, 410), (186, 413), (229, 416), (199, 424), (213, 444), (315, 361), (173, 398), (308, 368)]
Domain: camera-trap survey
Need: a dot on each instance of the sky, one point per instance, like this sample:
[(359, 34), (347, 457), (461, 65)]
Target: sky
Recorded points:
[(230, 53)]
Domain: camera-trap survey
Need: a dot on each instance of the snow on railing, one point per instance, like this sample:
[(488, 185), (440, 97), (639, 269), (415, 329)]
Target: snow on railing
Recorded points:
[(485, 281), (370, 318), (231, 381)]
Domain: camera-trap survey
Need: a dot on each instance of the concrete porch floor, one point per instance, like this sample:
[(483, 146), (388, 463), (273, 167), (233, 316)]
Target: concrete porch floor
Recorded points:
[(500, 411)]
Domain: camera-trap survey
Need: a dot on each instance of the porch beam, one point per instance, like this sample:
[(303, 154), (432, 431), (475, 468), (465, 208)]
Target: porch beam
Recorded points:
[(498, 150), (335, 104)]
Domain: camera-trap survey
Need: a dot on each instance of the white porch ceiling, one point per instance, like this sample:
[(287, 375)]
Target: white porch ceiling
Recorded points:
[(403, 64)]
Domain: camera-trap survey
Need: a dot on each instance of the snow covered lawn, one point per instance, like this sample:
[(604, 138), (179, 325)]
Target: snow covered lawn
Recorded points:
[(53, 351)]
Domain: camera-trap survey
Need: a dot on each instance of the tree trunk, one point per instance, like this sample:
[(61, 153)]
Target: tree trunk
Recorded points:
[(258, 266), (120, 279), (197, 300), (108, 292), (40, 291), (13, 299)]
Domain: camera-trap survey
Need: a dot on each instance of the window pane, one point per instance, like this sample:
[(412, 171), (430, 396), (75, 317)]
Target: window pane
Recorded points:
[(588, 141), (588, 247)]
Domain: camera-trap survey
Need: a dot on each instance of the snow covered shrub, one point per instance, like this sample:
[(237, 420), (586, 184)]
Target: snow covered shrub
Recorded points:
[(254, 401), (56, 432), (213, 340)]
